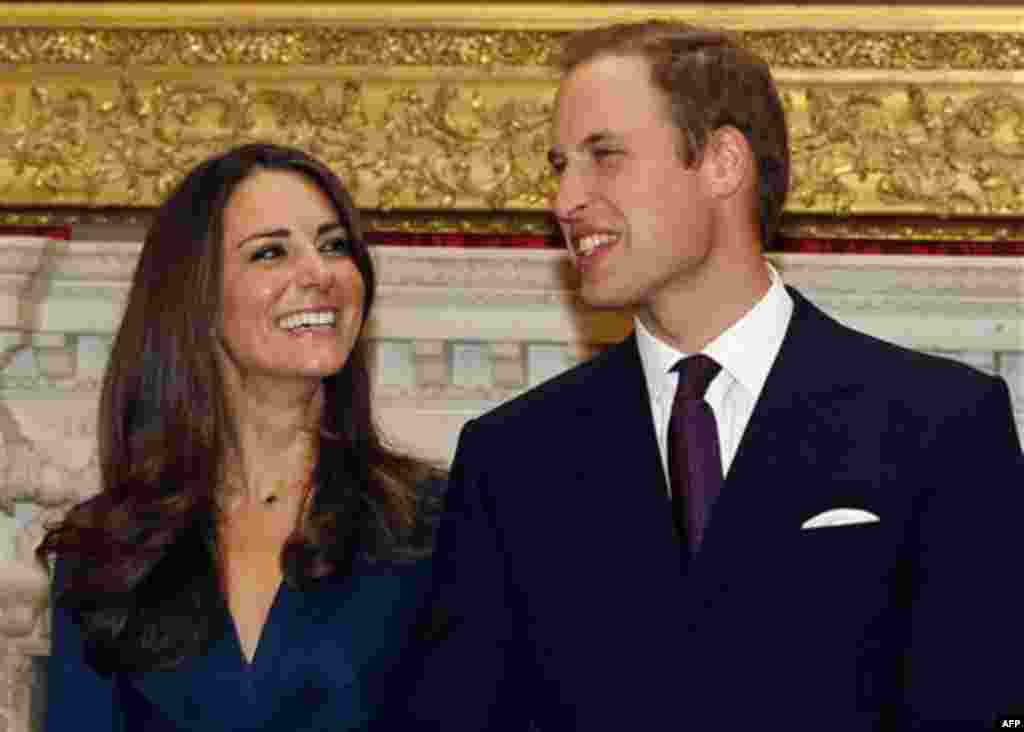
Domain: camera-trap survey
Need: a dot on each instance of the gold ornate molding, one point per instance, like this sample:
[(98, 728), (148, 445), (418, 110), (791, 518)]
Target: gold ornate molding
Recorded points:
[(322, 46), (432, 107), (475, 48)]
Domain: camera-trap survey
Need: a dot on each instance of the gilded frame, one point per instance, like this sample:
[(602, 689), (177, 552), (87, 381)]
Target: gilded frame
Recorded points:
[(906, 122)]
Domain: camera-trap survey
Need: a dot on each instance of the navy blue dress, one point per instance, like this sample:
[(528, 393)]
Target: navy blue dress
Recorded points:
[(327, 660)]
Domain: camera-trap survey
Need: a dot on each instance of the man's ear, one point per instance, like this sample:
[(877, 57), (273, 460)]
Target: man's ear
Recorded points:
[(728, 162)]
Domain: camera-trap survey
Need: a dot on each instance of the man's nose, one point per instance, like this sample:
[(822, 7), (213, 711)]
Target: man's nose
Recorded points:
[(570, 197)]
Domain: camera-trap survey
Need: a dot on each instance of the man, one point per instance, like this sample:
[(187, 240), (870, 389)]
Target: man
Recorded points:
[(856, 570)]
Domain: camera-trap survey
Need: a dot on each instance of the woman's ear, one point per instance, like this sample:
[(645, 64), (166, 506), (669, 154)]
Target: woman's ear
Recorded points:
[(728, 162)]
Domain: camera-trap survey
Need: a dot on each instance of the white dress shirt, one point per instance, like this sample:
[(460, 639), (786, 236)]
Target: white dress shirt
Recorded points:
[(745, 351)]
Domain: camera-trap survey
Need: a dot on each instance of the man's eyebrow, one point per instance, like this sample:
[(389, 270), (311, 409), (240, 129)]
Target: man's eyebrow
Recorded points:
[(594, 139), (598, 138)]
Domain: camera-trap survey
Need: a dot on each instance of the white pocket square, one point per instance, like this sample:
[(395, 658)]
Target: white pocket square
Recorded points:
[(840, 517)]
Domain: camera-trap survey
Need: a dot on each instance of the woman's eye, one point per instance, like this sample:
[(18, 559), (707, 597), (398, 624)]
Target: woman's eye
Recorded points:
[(268, 251), (337, 245), (604, 153)]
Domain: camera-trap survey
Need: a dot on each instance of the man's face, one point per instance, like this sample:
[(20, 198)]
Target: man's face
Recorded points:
[(637, 220)]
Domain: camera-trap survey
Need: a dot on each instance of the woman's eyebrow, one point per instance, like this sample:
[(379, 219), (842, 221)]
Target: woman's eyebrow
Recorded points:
[(329, 228), (264, 234), (271, 233)]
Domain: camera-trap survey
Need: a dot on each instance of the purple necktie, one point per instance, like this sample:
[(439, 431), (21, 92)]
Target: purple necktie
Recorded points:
[(694, 461)]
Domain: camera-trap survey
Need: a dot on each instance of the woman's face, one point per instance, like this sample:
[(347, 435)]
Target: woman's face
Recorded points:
[(293, 297)]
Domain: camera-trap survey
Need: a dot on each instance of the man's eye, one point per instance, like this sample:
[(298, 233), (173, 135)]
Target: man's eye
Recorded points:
[(271, 250), (603, 153), (337, 245)]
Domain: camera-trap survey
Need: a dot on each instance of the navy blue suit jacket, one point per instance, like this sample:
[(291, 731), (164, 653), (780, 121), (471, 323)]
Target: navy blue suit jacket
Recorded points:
[(565, 603)]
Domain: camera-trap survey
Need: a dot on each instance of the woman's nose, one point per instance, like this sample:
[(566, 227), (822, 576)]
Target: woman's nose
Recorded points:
[(316, 272)]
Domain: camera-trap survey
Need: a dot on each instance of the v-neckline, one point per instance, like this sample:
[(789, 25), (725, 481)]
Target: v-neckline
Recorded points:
[(261, 640)]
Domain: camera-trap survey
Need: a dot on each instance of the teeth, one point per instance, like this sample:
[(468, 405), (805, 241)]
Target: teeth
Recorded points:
[(308, 318), (587, 244)]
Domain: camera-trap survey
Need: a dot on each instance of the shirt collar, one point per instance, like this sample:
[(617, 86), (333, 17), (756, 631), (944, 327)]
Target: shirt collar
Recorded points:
[(745, 350)]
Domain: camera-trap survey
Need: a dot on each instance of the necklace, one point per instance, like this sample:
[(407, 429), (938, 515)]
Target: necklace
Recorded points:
[(285, 488)]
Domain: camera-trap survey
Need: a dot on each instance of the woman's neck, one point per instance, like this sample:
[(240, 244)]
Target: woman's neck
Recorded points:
[(277, 448)]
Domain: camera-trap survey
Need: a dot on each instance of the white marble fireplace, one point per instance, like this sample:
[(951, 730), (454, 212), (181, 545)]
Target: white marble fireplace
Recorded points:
[(455, 331)]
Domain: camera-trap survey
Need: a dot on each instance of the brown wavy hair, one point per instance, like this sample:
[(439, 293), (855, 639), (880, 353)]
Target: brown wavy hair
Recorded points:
[(136, 562), (710, 81)]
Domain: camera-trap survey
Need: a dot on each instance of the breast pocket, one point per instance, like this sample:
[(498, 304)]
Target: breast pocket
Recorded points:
[(842, 574)]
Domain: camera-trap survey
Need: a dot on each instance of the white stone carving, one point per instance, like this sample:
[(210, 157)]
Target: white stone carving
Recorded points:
[(510, 365)]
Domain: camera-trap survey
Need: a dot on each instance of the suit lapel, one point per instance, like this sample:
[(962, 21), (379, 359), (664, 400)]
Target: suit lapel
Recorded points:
[(804, 450), (622, 466), (804, 442)]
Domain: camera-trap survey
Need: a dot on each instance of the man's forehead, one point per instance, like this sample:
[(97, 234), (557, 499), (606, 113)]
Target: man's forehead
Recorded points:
[(607, 96), (610, 67)]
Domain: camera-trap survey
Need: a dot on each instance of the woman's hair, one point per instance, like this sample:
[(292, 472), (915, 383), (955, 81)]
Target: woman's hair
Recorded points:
[(137, 561)]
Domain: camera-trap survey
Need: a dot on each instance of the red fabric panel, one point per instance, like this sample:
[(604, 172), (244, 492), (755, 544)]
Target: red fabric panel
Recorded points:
[(61, 231)]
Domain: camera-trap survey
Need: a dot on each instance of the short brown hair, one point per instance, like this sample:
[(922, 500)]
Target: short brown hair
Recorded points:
[(710, 82)]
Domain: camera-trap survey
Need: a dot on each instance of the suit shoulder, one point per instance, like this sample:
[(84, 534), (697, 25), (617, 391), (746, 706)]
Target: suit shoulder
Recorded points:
[(911, 371), (858, 356)]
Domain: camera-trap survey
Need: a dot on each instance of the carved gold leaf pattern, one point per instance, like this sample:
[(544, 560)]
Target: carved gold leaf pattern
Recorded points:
[(909, 149), (429, 145), (913, 149), (334, 46), (396, 47), (889, 50), (426, 119)]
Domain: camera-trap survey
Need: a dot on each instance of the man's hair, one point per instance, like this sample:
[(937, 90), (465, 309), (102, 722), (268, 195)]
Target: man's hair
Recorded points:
[(710, 81)]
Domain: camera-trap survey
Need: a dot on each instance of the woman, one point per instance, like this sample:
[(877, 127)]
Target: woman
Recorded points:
[(256, 558)]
